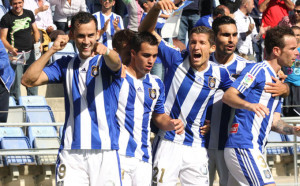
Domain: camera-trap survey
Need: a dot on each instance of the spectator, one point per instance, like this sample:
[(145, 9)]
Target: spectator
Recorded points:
[(135, 13), (246, 29), (16, 28), (207, 20), (64, 10), (189, 17), (108, 22), (7, 76), (274, 10), (293, 80), (293, 19), (43, 18)]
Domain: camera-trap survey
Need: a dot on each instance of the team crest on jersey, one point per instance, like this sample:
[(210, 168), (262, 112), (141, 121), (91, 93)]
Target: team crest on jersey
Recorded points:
[(234, 128), (95, 71), (248, 80), (267, 174), (211, 82), (152, 93)]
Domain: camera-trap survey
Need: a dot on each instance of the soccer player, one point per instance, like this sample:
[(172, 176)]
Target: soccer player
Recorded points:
[(258, 112), (219, 114), (87, 155), (190, 82), (140, 97)]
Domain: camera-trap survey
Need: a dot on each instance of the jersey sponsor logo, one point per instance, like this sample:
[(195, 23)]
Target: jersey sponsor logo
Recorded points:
[(83, 70), (211, 82), (248, 80), (234, 128), (152, 93), (95, 71), (267, 174)]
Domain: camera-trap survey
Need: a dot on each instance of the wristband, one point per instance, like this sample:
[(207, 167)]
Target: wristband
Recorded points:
[(107, 51)]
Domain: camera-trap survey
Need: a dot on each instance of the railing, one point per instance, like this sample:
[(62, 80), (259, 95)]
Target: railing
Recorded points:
[(292, 121)]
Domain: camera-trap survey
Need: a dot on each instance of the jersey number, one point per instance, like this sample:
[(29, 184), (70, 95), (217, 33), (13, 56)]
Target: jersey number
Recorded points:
[(155, 169)]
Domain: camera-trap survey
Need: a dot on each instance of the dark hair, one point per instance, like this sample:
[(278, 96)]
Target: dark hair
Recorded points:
[(275, 37), (204, 30), (232, 6), (122, 37), (224, 20), (295, 27), (142, 37), (297, 3), (219, 10), (12, 0), (82, 18)]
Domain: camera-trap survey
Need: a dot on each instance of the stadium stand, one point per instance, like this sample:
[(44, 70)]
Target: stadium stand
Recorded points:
[(12, 101), (32, 101), (16, 114), (39, 114)]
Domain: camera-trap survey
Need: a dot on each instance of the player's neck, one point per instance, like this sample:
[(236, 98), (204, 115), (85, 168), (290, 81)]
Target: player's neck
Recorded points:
[(274, 64), (223, 59), (134, 72), (17, 13)]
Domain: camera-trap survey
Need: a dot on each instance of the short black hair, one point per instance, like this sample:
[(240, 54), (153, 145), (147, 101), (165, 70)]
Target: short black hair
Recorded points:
[(204, 30), (219, 10), (223, 20), (275, 37), (297, 3), (142, 37), (82, 18)]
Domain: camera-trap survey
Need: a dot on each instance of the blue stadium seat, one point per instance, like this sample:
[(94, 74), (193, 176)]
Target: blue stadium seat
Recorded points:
[(43, 143), (16, 114), (276, 137), (32, 101), (16, 143), (40, 131), (68, 50), (12, 101), (39, 114), (11, 132)]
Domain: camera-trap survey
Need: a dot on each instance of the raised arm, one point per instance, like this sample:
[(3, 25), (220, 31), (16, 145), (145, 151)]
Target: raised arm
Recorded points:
[(263, 6), (34, 75), (149, 22), (231, 97), (282, 127), (111, 57), (289, 4), (165, 122)]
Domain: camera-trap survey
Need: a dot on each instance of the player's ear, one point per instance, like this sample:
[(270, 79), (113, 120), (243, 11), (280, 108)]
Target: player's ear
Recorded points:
[(276, 51), (212, 49), (98, 34), (132, 53)]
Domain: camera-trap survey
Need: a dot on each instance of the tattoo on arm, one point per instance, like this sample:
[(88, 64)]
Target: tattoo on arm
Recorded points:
[(283, 128)]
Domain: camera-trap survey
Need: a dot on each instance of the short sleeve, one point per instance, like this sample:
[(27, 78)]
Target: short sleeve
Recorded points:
[(278, 107), (54, 71), (226, 80), (248, 79), (159, 107), (169, 54)]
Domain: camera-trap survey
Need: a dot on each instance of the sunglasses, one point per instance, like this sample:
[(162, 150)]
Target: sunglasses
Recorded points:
[(297, 11)]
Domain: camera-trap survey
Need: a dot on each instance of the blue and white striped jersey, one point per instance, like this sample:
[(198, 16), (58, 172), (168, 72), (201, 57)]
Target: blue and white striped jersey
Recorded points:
[(106, 38), (219, 114), (88, 102), (188, 93), (137, 100), (248, 130)]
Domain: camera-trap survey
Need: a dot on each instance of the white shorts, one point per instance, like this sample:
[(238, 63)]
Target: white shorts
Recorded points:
[(248, 166), (173, 160), (135, 172), (88, 167)]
